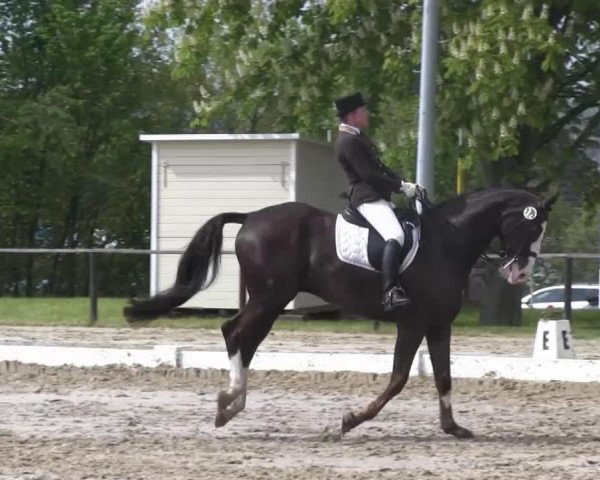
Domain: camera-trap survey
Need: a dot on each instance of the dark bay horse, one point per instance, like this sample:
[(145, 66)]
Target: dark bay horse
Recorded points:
[(290, 248)]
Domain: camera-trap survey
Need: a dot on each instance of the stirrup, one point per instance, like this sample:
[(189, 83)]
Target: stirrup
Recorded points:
[(394, 299)]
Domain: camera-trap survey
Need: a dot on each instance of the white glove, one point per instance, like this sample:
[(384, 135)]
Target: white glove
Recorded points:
[(408, 189)]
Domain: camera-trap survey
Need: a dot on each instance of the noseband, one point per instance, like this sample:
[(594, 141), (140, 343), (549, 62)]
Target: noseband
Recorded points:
[(507, 259)]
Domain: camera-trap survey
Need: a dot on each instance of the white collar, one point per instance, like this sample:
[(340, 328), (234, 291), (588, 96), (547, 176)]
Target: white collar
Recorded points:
[(344, 127)]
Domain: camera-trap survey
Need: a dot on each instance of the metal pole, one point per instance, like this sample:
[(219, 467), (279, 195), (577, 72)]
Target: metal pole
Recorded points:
[(427, 95), (568, 289), (92, 289)]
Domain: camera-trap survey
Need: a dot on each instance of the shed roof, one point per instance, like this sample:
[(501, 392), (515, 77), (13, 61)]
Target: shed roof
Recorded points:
[(218, 136), (187, 137)]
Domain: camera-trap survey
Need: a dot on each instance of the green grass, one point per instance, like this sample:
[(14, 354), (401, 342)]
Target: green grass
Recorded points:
[(584, 323), (59, 311), (75, 312)]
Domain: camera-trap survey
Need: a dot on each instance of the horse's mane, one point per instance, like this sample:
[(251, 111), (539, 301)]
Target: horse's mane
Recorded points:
[(459, 202)]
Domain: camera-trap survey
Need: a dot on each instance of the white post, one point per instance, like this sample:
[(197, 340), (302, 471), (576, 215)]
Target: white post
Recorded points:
[(553, 340), (154, 220)]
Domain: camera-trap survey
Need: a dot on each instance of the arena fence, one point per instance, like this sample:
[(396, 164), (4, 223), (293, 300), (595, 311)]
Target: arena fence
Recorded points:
[(92, 254)]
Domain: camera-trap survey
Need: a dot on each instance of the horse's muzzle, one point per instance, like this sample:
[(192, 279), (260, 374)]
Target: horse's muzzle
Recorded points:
[(514, 274)]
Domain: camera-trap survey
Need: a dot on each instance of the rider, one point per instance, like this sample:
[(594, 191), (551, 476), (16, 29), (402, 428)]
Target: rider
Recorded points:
[(371, 186)]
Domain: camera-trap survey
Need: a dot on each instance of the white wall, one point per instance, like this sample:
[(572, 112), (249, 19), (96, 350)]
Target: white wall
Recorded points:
[(202, 178)]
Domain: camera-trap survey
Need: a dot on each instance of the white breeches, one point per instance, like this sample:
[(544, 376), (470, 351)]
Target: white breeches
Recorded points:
[(381, 216)]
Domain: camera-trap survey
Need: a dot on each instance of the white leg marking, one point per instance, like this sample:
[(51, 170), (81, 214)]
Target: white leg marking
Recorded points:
[(232, 402), (446, 400), (238, 375)]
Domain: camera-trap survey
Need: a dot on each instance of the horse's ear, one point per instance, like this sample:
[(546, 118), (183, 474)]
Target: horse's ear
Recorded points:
[(547, 204)]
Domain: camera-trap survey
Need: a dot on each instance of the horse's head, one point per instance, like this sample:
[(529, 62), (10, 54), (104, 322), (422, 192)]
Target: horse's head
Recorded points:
[(521, 234)]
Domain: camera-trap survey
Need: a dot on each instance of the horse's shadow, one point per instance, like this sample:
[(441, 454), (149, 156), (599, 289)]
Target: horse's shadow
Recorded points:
[(504, 439), (387, 439)]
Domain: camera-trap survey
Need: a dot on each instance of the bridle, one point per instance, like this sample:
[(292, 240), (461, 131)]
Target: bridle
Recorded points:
[(524, 250)]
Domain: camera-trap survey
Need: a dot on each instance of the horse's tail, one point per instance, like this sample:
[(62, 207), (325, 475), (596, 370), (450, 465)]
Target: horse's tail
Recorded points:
[(197, 270)]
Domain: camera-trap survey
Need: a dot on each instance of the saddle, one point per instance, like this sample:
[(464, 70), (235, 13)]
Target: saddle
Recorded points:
[(359, 244)]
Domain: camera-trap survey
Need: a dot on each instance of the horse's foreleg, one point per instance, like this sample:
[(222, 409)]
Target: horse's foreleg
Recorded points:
[(407, 342), (438, 341)]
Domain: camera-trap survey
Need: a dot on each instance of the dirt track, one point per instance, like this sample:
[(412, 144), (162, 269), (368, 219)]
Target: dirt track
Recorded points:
[(276, 341), (124, 423)]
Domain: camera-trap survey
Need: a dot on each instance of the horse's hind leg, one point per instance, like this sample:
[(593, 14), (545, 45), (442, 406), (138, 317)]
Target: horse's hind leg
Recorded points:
[(235, 397), (243, 334), (438, 342), (233, 401), (407, 342)]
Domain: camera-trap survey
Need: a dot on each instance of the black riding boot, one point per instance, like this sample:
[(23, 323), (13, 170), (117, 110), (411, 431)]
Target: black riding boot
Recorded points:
[(394, 297)]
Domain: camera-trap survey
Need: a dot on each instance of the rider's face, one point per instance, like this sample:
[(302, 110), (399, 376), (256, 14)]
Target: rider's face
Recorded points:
[(361, 117)]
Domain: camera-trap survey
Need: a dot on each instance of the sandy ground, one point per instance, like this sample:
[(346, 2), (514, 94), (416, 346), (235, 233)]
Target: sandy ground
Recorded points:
[(276, 341), (135, 423)]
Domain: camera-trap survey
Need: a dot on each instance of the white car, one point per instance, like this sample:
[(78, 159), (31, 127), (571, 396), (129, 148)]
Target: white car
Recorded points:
[(582, 296)]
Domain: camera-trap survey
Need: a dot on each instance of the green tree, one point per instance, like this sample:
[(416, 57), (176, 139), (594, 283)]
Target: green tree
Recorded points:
[(516, 78), (520, 79), (79, 81)]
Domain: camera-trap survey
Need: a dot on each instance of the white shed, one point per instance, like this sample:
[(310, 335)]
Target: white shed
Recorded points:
[(197, 176)]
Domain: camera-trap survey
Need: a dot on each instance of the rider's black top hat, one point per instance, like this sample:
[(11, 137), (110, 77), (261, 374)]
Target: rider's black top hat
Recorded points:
[(348, 104)]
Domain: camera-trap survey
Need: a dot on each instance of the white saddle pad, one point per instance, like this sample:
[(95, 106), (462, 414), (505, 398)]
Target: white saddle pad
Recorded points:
[(351, 242)]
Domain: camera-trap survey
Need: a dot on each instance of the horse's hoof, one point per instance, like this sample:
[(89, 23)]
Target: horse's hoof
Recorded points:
[(220, 420), (349, 421), (459, 432), (223, 400)]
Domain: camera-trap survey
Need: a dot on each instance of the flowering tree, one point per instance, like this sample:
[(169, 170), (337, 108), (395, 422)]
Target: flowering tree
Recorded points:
[(518, 82)]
